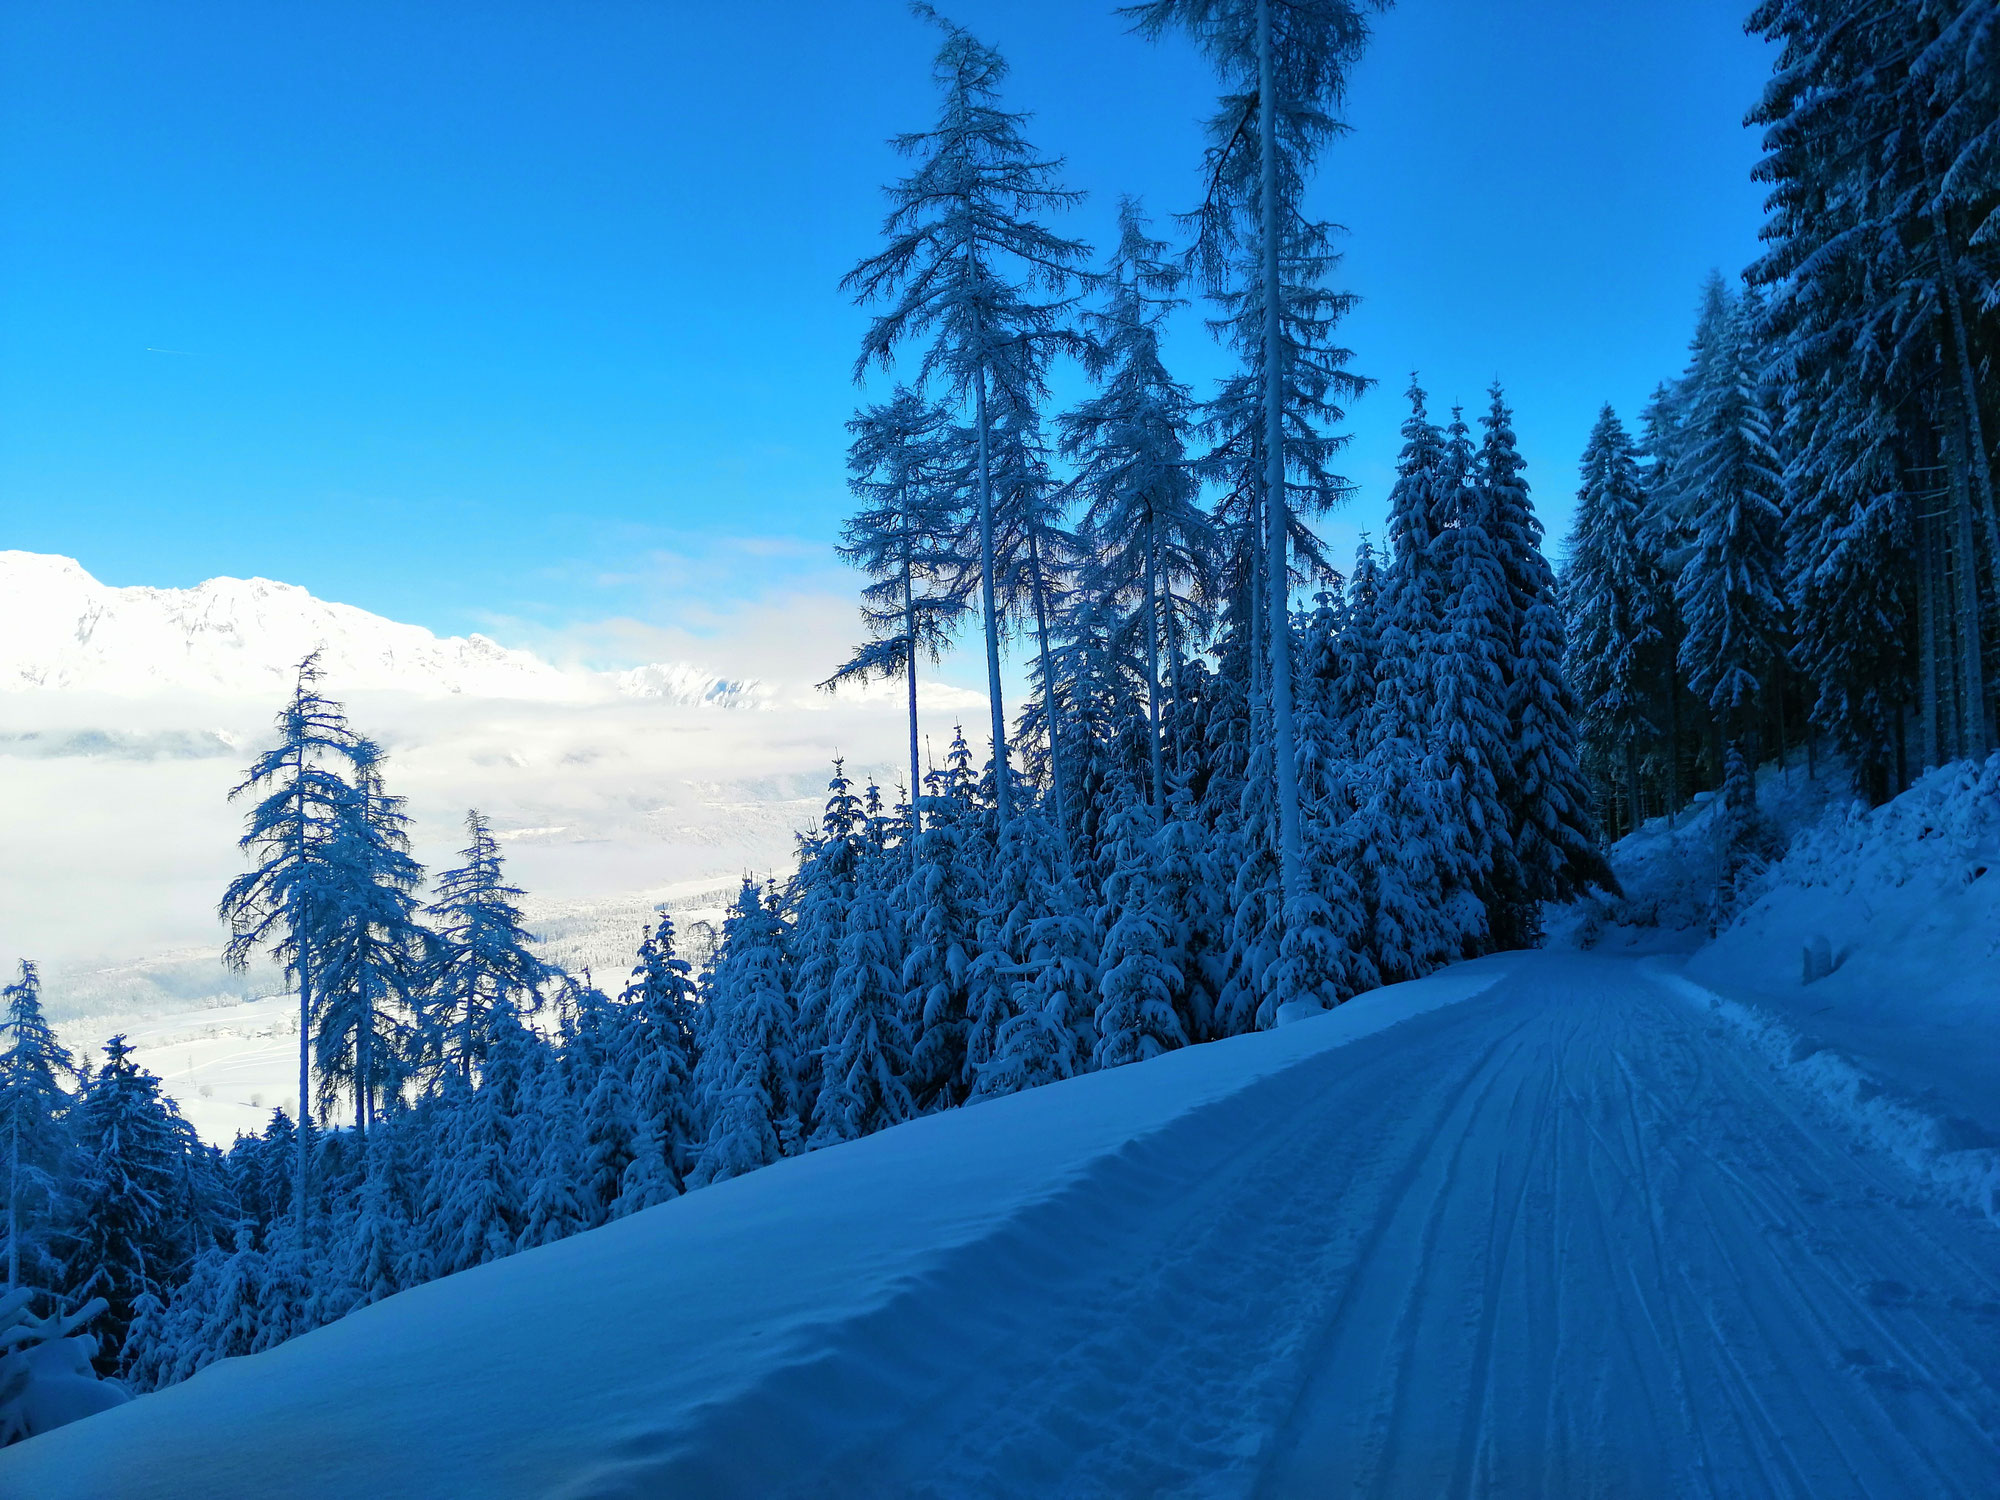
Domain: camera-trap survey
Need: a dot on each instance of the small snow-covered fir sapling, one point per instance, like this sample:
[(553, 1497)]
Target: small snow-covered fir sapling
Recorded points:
[(46, 1377)]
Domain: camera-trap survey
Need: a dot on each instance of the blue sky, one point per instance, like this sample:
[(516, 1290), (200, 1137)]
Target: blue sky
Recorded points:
[(523, 317)]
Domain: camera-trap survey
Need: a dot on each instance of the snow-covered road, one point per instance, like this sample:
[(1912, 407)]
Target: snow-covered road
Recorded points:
[(1567, 1235)]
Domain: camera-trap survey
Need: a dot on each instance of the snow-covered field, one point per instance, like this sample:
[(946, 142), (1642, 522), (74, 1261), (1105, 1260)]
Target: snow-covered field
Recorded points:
[(126, 715), (1537, 1225)]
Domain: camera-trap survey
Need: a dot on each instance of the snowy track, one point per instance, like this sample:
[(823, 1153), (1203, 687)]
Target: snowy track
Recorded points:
[(1569, 1236)]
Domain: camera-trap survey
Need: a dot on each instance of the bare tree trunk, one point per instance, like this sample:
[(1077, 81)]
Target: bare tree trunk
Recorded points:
[(1003, 805), (1928, 719), (1632, 783), (1673, 745), (1284, 741), (1048, 689), (910, 634), (1153, 672)]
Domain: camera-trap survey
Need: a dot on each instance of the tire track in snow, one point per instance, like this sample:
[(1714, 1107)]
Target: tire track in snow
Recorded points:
[(1557, 1239)]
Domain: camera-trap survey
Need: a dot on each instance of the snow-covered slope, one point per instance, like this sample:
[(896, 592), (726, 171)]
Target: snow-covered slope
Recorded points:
[(1902, 1035), (60, 629), (1533, 1226)]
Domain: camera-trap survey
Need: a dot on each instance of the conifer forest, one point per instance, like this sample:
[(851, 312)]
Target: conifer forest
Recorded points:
[(1227, 775)]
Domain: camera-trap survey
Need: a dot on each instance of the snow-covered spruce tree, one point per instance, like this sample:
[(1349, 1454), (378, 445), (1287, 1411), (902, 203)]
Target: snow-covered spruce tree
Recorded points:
[(1398, 836), (965, 260), (1615, 602), (662, 1068), (1849, 533), (371, 1241), (1884, 269), (301, 789), (477, 1186), (372, 952), (1284, 64), (1415, 585), (1129, 442), (482, 959), (35, 1072), (748, 1074), (1322, 958), (1730, 591), (1468, 728), (939, 906), (1052, 1031), (1191, 888), (1360, 659), (553, 1206), (819, 893), (1553, 842), (862, 1087), (127, 1232), (1137, 1013), (1023, 868), (902, 466)]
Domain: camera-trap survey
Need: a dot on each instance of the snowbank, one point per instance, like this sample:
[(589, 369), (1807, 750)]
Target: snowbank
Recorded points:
[(1902, 1036), (809, 1287)]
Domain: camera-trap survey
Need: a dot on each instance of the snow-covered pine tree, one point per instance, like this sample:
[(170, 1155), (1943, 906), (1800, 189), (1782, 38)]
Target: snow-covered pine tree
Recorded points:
[(1137, 1013), (1615, 605), (1553, 844), (483, 959), (901, 465), (35, 1070), (862, 1087), (662, 1067), (1399, 834), (1190, 889), (1881, 150), (126, 1233), (371, 1241), (820, 891), (301, 788), (965, 259), (553, 1206), (1285, 68), (1150, 537), (748, 1072), (1730, 591), (939, 906), (1353, 689), (1052, 1034), (372, 952), (473, 1206), (1468, 729)]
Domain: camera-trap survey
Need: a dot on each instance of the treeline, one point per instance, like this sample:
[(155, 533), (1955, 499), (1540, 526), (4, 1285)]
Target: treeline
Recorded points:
[(1802, 538)]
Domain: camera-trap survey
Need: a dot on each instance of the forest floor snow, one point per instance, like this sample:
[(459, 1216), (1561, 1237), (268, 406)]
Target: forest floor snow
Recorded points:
[(1541, 1224)]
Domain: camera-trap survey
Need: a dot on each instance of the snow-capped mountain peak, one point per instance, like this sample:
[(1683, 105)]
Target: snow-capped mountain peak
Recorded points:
[(61, 629)]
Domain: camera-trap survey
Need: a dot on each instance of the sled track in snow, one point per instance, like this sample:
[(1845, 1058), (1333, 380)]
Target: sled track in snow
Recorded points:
[(1568, 1237)]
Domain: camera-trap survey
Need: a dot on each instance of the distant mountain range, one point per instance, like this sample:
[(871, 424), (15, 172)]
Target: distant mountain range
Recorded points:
[(62, 630)]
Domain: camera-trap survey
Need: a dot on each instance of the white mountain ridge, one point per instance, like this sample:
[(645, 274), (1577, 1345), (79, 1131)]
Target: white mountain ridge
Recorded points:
[(62, 630)]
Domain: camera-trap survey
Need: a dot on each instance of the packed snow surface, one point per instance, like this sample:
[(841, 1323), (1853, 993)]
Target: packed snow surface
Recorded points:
[(1539, 1225)]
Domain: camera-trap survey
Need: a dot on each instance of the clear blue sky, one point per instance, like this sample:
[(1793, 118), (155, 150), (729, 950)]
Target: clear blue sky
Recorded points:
[(527, 313)]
